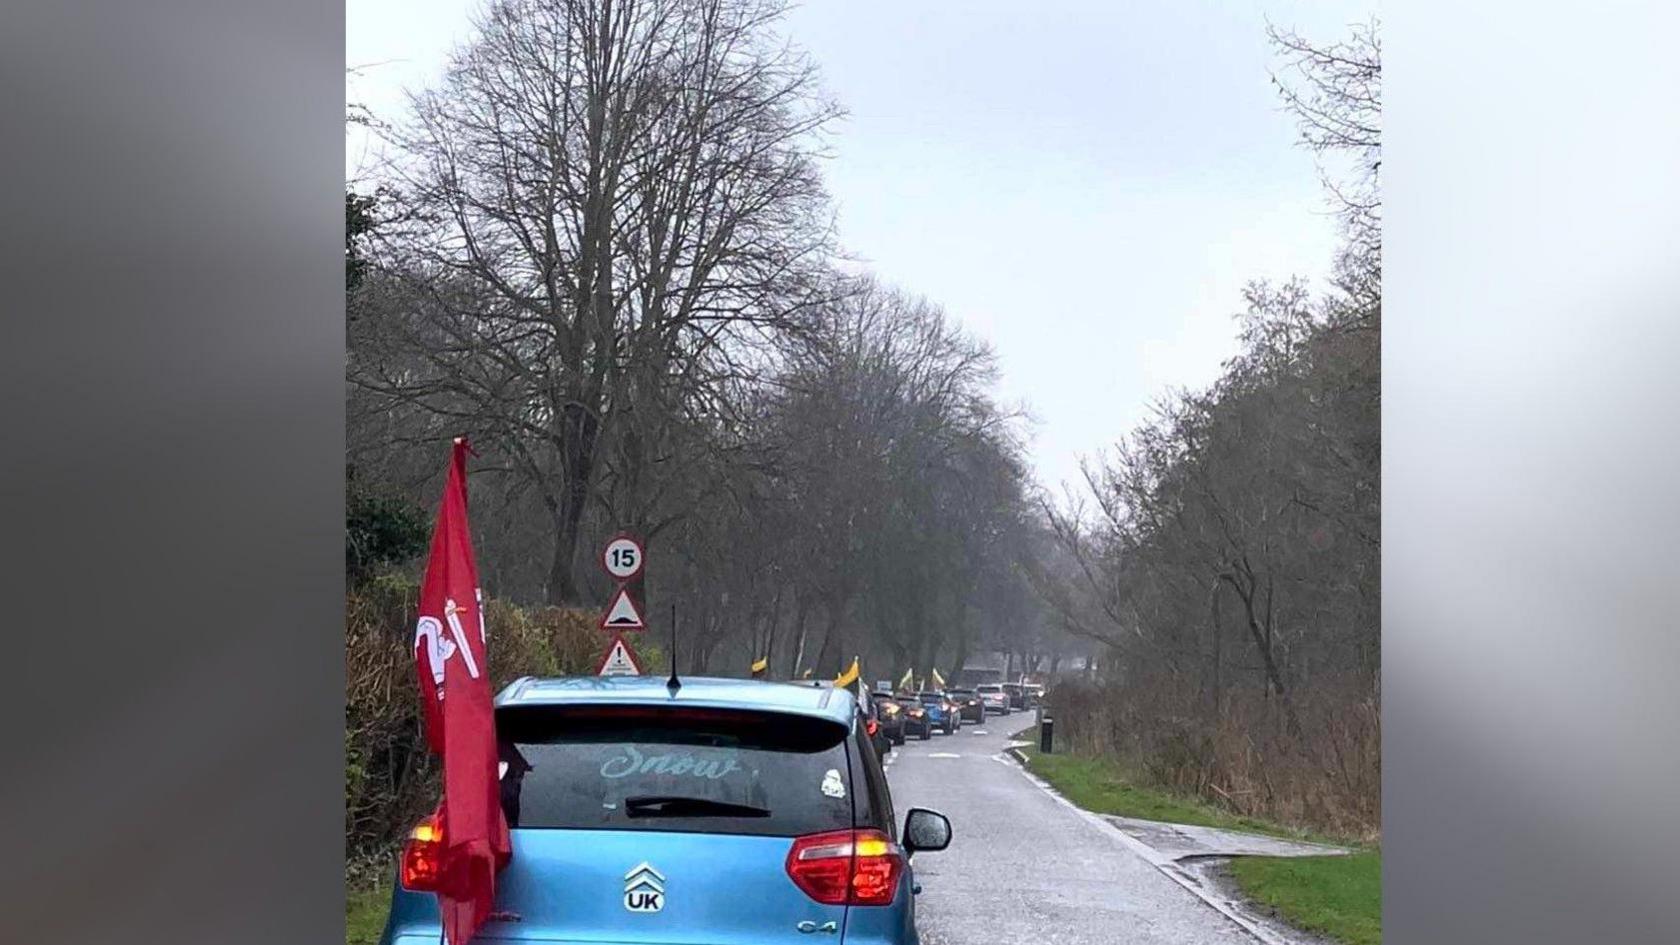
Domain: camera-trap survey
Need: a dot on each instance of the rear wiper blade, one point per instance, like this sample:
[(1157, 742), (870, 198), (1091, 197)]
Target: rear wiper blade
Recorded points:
[(664, 805)]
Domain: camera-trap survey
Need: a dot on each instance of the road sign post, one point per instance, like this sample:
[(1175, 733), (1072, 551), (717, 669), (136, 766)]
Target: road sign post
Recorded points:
[(622, 558), (620, 659), (622, 613)]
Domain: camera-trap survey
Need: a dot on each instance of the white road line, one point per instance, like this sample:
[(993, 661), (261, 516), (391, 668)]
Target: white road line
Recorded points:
[(943, 754), (1149, 855)]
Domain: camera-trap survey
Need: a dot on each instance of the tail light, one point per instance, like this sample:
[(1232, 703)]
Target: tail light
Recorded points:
[(422, 856), (871, 726), (847, 867)]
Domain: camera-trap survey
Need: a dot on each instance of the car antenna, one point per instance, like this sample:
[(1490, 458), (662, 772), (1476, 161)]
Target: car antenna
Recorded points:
[(673, 684)]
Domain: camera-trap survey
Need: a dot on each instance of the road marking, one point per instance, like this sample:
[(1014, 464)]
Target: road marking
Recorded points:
[(982, 732), (943, 754)]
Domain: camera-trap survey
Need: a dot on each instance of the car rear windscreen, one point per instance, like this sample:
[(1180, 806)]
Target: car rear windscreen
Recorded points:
[(655, 768)]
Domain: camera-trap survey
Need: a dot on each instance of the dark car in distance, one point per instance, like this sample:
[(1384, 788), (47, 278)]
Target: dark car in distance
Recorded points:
[(869, 710), (1017, 696), (916, 720), (969, 706), (890, 715)]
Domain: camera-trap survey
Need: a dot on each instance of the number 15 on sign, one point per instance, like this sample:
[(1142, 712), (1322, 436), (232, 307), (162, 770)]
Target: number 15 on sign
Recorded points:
[(622, 557)]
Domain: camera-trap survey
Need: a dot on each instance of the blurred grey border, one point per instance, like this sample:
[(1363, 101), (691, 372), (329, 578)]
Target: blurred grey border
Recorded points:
[(172, 475), (1531, 704), (171, 484)]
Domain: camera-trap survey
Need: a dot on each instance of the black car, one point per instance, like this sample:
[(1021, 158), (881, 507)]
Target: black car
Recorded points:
[(878, 737), (890, 715), (916, 721), (968, 703)]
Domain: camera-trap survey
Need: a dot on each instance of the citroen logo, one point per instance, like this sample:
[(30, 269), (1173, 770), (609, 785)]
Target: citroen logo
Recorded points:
[(644, 889)]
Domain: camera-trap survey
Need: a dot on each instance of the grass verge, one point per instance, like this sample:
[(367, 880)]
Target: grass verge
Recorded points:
[(364, 913), (1338, 896), (1104, 787)]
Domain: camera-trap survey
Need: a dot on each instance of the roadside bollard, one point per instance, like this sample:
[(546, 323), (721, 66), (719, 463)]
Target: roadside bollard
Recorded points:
[(1046, 735)]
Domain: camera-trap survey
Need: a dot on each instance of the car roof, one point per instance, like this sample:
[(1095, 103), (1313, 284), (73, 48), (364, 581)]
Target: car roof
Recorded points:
[(816, 701)]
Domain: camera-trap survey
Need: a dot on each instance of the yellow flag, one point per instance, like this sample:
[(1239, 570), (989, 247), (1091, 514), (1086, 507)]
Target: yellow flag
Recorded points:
[(906, 681), (760, 666), (938, 680), (849, 676)]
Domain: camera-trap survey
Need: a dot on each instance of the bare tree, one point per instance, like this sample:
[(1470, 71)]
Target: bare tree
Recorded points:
[(1334, 91), (602, 197), (1227, 553)]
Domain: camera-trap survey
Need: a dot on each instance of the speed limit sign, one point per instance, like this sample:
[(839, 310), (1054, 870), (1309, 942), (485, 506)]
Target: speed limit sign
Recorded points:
[(622, 557)]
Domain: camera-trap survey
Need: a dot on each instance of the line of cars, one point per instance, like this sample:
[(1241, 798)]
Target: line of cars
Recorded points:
[(897, 717)]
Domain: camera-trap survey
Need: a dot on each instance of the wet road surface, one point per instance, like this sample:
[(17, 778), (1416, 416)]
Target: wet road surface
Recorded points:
[(1025, 867)]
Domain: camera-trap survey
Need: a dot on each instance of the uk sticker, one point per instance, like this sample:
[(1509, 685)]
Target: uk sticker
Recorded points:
[(832, 786)]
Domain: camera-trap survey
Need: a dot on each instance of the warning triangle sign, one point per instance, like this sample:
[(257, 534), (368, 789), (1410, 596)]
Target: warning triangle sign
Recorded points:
[(622, 615), (620, 660)]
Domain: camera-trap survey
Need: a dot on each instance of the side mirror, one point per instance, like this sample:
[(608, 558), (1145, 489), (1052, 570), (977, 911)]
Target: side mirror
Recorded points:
[(925, 830)]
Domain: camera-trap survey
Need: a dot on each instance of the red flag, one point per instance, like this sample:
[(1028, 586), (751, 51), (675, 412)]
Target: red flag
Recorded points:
[(450, 658)]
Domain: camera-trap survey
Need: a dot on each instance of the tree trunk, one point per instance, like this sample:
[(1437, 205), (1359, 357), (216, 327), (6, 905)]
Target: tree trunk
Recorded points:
[(561, 588), (1262, 636), (1214, 692), (961, 658), (829, 656), (578, 450)]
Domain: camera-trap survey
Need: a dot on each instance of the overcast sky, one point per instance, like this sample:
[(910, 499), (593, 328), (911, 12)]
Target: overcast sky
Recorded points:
[(1085, 185)]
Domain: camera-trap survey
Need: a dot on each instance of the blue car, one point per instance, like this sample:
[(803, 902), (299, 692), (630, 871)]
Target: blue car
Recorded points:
[(941, 713), (725, 811)]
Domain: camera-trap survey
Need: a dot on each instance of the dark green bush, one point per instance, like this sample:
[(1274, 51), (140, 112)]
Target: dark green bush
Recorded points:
[(390, 779)]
